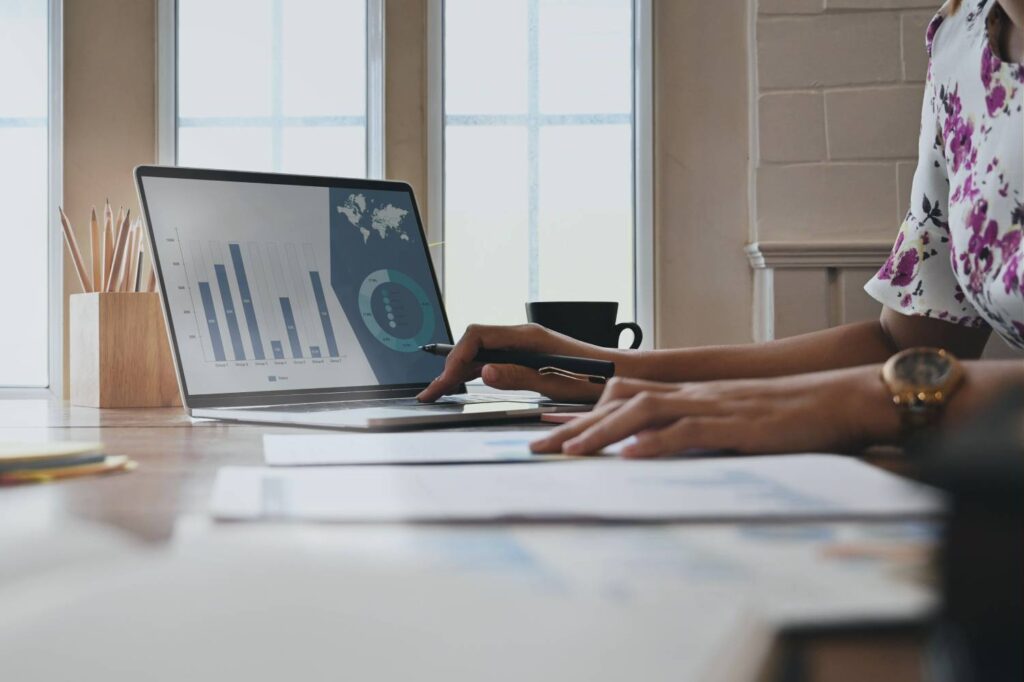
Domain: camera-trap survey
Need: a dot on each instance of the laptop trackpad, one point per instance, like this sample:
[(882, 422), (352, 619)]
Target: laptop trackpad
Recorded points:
[(453, 408), (405, 416)]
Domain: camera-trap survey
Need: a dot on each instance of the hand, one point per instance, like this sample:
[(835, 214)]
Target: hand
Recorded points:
[(460, 368), (841, 410)]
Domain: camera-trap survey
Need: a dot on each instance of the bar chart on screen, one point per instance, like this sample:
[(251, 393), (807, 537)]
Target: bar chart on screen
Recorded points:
[(257, 302)]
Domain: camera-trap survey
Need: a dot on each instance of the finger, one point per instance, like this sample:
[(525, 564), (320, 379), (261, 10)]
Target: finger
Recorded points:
[(552, 442), (689, 433), (453, 376), (447, 381), (622, 388), (642, 411), (460, 366), (516, 377), (647, 410), (478, 336)]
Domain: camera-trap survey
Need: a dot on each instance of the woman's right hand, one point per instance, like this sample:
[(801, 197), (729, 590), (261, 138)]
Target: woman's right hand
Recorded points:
[(460, 367)]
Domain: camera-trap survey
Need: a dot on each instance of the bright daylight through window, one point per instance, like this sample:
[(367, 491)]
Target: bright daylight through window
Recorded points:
[(272, 85), (24, 277), (538, 154)]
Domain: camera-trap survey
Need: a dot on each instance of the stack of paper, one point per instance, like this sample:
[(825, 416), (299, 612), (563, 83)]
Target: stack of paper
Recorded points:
[(723, 488), (432, 447), (40, 462)]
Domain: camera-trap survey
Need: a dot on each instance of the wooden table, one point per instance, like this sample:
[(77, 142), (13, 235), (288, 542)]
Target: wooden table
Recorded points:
[(165, 502)]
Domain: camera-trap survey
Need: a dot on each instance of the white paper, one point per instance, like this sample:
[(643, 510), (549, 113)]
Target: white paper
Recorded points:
[(264, 615), (727, 488), (789, 570), (420, 447)]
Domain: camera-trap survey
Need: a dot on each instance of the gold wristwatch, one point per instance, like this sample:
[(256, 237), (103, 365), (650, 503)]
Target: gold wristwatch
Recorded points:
[(921, 381)]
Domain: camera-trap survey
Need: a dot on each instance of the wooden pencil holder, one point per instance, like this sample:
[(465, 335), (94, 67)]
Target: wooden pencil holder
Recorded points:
[(119, 354)]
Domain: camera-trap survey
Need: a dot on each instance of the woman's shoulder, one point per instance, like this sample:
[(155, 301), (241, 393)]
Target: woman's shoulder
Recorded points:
[(934, 24), (956, 20)]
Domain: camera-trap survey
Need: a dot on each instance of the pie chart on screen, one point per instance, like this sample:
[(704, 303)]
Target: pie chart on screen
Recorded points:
[(396, 310)]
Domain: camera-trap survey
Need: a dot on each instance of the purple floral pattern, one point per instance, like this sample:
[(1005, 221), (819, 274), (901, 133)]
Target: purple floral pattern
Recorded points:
[(959, 255)]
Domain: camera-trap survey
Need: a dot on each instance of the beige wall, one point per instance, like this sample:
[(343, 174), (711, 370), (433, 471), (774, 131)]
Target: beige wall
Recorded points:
[(701, 155), (109, 109), (838, 100), (792, 124), (839, 86), (405, 104)]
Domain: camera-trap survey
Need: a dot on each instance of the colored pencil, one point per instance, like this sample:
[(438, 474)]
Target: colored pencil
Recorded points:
[(117, 267), (76, 255), (132, 271), (108, 254), (96, 249)]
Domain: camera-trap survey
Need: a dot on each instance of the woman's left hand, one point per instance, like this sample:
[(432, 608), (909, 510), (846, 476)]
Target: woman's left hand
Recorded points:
[(835, 411)]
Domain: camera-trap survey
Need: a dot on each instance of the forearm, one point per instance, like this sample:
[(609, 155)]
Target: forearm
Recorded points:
[(878, 418), (844, 346), (984, 381)]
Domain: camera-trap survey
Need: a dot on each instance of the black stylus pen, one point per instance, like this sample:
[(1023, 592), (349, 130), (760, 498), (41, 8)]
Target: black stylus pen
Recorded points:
[(581, 369)]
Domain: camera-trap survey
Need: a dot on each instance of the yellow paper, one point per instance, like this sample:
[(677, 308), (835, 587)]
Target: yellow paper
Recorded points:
[(16, 453), (108, 465)]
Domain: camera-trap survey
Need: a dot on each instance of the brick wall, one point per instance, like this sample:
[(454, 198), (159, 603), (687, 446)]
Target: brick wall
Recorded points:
[(838, 96), (839, 87)]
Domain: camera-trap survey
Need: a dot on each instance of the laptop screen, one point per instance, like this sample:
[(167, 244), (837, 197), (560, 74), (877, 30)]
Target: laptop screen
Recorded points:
[(293, 287)]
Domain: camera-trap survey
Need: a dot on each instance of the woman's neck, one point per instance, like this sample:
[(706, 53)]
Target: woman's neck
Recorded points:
[(1012, 40), (1013, 44)]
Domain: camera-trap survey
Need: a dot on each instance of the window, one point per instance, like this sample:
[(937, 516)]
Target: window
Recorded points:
[(273, 85), (24, 177), (538, 155)]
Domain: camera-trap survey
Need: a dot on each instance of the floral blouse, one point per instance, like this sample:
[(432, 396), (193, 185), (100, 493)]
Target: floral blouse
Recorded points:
[(959, 252)]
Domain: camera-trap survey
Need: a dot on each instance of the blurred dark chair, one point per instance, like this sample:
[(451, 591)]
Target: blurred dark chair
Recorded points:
[(979, 633)]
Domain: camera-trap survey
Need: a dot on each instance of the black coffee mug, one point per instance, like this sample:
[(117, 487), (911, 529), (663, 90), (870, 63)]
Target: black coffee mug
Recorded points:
[(593, 322)]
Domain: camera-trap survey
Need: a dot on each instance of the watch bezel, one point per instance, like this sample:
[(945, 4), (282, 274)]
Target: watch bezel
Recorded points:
[(917, 396)]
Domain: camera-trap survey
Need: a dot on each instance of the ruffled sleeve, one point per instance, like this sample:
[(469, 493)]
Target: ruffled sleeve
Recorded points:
[(918, 277)]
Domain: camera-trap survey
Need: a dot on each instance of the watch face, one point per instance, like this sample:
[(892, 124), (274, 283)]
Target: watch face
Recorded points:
[(924, 369)]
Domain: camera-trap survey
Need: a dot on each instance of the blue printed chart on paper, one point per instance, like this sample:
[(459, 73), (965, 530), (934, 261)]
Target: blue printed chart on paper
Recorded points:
[(279, 287)]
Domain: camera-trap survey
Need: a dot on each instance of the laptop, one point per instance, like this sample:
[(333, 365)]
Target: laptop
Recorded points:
[(304, 301)]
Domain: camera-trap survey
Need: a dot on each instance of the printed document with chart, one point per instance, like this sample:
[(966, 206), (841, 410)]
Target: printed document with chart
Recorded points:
[(719, 488)]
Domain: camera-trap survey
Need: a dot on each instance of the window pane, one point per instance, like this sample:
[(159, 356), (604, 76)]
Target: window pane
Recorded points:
[(272, 85), (485, 54), (225, 147), (588, 204), (322, 37), (538, 156), (486, 204), (586, 53), (23, 57), (24, 345), (224, 58), (304, 151)]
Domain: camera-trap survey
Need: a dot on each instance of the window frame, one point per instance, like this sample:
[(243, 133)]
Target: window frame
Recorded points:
[(167, 85), (643, 156), (54, 196)]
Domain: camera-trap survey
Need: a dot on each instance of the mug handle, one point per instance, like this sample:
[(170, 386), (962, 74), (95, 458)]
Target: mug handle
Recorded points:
[(638, 335)]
